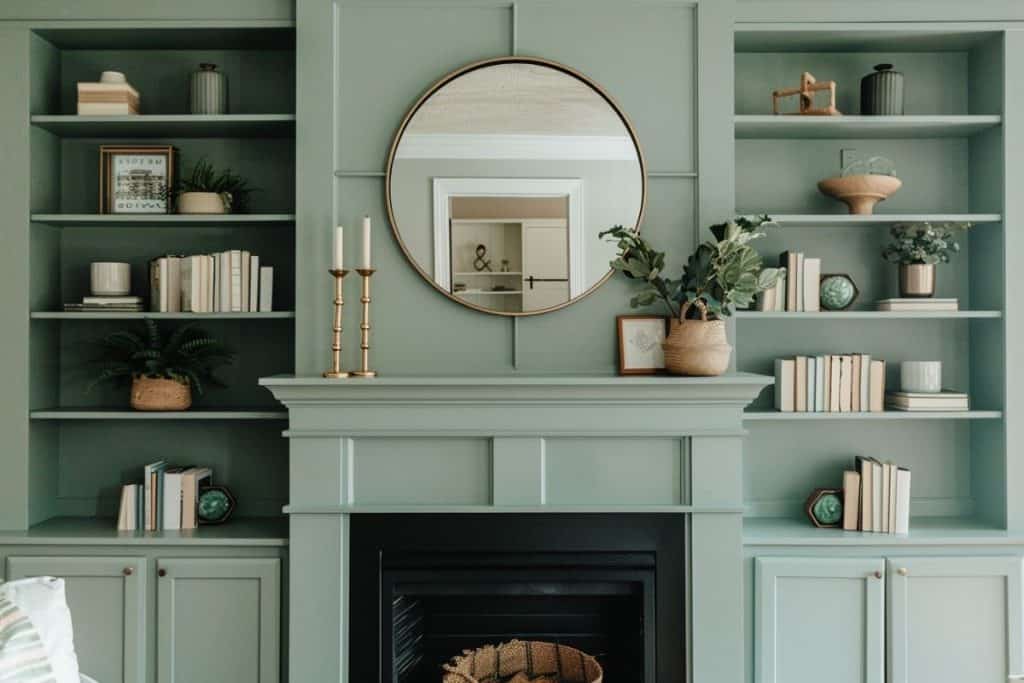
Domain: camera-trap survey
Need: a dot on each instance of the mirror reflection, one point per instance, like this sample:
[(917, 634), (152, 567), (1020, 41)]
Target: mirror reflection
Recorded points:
[(501, 179)]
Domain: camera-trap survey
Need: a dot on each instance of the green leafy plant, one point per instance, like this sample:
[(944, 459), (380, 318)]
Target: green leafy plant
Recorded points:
[(233, 189), (187, 355), (927, 243), (722, 274)]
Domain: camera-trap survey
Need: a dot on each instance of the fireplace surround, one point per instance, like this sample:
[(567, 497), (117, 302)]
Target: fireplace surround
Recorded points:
[(496, 457)]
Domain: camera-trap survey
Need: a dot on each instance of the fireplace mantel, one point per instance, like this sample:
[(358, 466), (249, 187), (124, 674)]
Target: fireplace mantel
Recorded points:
[(514, 444)]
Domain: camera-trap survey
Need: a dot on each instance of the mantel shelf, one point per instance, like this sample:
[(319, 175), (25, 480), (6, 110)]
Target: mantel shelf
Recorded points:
[(133, 315), (168, 125), (885, 415), (875, 220), (120, 414), (160, 220), (865, 315), (769, 127)]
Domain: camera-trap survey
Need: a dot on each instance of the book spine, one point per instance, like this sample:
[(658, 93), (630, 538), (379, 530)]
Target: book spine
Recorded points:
[(799, 281), (266, 289), (812, 284), (225, 281), (236, 281), (254, 284), (851, 501), (784, 385), (246, 263)]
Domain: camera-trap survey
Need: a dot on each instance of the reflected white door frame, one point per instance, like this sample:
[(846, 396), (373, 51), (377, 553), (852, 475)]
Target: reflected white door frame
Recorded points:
[(446, 188)]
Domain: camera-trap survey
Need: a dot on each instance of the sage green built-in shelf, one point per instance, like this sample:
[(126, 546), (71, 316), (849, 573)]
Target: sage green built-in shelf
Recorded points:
[(874, 220), (168, 125), (160, 220), (62, 315), (923, 531), (865, 315), (195, 414), (243, 531), (771, 127), (885, 415)]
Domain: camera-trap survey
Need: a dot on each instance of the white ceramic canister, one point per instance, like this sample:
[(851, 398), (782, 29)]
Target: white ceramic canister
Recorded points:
[(921, 376), (107, 278)]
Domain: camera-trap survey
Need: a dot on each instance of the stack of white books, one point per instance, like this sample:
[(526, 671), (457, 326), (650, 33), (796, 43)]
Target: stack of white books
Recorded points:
[(106, 304), (876, 497), (921, 402), (165, 501), (908, 305), (847, 383), (225, 282)]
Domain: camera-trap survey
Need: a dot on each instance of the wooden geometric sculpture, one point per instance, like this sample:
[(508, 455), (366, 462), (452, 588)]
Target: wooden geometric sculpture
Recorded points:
[(808, 86)]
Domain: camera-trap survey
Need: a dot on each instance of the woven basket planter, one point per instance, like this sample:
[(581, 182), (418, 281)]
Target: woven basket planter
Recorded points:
[(698, 348), (521, 661), (149, 393)]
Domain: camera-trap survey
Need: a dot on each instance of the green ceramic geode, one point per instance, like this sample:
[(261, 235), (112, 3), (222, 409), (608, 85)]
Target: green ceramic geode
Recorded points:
[(215, 505), (837, 292), (828, 509)]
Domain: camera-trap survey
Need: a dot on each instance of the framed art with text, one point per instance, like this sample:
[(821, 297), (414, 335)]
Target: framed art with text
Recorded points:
[(136, 179)]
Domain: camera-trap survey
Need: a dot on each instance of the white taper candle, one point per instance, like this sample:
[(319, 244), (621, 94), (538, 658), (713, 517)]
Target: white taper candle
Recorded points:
[(339, 245), (366, 242)]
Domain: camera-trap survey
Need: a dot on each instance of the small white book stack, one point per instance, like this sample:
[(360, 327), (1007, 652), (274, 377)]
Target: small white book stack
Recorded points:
[(106, 304), (230, 281), (921, 305), (798, 288), (845, 383), (165, 501), (944, 400), (876, 497)]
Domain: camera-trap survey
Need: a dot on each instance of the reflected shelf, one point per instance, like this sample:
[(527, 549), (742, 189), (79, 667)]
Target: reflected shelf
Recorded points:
[(865, 315), (875, 220), (780, 127), (160, 220), (139, 315)]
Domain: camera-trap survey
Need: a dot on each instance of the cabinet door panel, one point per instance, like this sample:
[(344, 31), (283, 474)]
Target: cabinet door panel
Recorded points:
[(218, 621), (818, 618), (954, 619), (107, 598)]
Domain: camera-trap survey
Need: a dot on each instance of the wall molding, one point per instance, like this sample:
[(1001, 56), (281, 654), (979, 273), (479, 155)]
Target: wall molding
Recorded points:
[(515, 146)]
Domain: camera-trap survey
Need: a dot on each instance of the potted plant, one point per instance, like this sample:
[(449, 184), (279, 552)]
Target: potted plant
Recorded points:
[(722, 275), (917, 248), (862, 184), (207, 191), (162, 373)]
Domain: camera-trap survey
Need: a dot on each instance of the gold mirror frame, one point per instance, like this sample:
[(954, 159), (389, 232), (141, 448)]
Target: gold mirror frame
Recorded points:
[(480, 65)]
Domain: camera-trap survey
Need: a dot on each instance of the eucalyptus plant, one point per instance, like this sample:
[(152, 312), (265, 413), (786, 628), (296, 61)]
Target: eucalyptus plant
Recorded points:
[(187, 355), (233, 189), (723, 274), (923, 243)]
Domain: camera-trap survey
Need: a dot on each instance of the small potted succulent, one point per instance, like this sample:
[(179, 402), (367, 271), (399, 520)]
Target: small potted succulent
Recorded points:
[(207, 191), (918, 248), (722, 275), (162, 373)]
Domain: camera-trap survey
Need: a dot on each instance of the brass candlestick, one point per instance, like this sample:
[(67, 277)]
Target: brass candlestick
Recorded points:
[(364, 327), (339, 303)]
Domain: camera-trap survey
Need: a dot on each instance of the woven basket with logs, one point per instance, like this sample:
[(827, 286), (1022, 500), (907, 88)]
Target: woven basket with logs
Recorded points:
[(520, 661)]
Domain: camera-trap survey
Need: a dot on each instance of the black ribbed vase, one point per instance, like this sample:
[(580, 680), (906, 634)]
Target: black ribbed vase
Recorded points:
[(881, 93)]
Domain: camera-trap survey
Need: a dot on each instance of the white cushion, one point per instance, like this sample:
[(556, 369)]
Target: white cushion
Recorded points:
[(42, 599)]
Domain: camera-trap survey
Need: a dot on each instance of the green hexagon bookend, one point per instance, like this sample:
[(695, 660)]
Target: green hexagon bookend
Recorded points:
[(838, 291), (215, 504), (824, 508)]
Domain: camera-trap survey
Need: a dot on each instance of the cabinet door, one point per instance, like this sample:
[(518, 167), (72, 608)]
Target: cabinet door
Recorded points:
[(218, 620), (107, 598), (819, 619), (954, 619)]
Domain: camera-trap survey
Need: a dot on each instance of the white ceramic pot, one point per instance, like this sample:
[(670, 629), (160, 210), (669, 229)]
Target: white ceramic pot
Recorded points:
[(201, 202), (110, 279), (921, 376)]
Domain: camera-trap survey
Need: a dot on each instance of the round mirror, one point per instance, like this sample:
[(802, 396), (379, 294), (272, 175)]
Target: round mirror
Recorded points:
[(500, 179)]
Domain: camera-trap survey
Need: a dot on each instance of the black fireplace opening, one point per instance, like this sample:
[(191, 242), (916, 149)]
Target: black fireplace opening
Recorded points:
[(424, 588)]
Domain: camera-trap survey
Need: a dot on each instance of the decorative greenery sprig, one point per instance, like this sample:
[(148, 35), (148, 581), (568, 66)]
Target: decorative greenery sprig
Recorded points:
[(927, 243), (724, 274), (188, 355), (869, 166), (232, 188)]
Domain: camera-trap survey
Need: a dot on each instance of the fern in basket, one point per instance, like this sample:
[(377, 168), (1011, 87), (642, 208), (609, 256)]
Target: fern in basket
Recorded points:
[(187, 355)]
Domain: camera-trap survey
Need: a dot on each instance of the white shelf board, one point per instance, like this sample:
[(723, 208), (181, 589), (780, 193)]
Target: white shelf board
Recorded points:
[(168, 125), (120, 414), (873, 220), (885, 415), (762, 531), (81, 315), (865, 315), (499, 273), (160, 219), (781, 127), (238, 531), (476, 292)]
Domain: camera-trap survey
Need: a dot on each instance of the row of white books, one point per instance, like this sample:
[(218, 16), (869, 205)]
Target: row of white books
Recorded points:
[(798, 288), (165, 500), (876, 497), (225, 282), (847, 383)]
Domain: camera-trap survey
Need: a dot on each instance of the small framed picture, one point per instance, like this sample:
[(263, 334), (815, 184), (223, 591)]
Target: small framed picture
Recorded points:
[(640, 340), (136, 179)]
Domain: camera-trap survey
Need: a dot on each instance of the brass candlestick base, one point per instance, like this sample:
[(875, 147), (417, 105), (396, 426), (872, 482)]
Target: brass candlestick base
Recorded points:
[(364, 327), (339, 303)]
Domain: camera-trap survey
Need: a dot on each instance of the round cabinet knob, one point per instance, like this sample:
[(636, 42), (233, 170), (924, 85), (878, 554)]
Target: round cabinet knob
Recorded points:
[(127, 571), (902, 571), (877, 575), (161, 572)]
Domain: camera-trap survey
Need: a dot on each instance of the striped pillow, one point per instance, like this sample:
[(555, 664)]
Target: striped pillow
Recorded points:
[(23, 655)]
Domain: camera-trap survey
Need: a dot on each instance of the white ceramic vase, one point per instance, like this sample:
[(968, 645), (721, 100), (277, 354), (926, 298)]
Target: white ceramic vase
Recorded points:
[(921, 376), (108, 278)]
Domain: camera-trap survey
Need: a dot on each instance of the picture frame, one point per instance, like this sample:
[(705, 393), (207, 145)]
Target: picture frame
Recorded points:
[(136, 179), (640, 340)]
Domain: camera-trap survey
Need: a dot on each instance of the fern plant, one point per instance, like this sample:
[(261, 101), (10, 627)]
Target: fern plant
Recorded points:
[(233, 189), (187, 355)]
